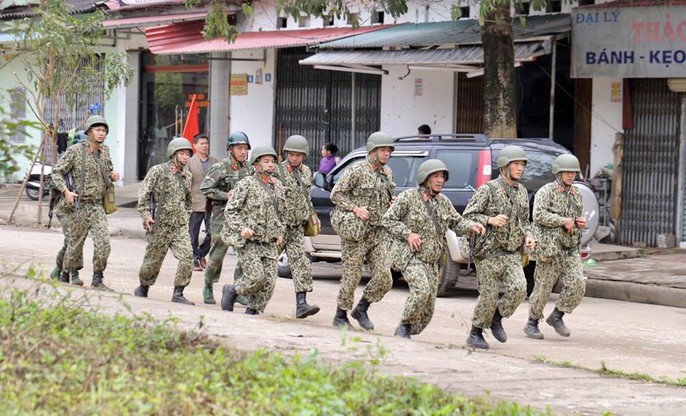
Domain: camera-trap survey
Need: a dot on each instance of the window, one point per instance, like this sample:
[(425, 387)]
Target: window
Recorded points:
[(18, 113), (404, 169), (328, 20), (464, 12), (538, 171), (462, 168), (377, 17), (281, 22)]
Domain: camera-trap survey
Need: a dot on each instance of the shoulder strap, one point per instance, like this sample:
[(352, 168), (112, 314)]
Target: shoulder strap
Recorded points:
[(163, 193), (84, 150), (432, 215)]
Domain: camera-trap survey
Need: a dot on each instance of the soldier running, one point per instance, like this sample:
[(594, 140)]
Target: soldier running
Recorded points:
[(419, 219), (254, 228), (502, 206), (297, 179), (217, 187), (165, 203), (362, 196), (558, 221)]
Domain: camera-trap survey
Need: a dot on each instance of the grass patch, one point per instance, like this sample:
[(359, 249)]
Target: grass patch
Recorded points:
[(613, 373), (59, 358)]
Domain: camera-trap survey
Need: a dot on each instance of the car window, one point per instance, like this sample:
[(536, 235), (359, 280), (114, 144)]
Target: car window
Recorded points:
[(404, 169), (538, 170), (462, 167)]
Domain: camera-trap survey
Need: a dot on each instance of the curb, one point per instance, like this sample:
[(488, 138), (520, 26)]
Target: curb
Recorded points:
[(636, 292)]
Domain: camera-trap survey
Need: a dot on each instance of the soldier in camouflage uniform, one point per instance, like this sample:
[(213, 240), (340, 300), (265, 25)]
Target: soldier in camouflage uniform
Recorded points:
[(254, 228), (93, 172), (217, 187), (65, 213), (502, 206), (558, 221), (165, 204), (418, 221), (362, 196), (297, 180)]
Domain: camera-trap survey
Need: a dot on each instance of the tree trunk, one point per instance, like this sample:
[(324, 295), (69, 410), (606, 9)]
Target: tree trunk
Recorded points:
[(500, 112)]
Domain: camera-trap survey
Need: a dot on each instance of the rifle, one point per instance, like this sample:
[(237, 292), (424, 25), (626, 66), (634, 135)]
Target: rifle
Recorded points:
[(72, 188), (152, 214)]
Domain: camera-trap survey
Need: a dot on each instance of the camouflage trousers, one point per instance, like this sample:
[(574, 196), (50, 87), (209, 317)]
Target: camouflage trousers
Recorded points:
[(301, 269), (569, 270), (89, 218), (167, 237), (505, 270), (218, 249), (65, 221), (260, 266), (374, 248), (422, 278)]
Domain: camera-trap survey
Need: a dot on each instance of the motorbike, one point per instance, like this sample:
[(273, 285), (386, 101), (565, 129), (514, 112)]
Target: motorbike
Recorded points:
[(33, 184)]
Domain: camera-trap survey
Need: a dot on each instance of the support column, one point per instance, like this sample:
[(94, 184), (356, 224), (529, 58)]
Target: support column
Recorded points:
[(220, 104), (130, 98)]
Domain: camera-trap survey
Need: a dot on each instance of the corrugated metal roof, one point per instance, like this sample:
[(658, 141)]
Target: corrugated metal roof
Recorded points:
[(465, 55), (185, 38), (460, 32), (75, 7), (153, 20), (141, 4)]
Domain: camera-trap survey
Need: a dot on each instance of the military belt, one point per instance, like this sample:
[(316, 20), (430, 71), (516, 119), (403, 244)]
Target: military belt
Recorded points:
[(497, 253)]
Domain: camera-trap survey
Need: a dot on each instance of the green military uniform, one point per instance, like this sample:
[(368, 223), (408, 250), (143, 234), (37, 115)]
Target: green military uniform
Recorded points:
[(221, 178), (557, 251), (171, 193), (255, 205), (90, 173), (364, 184), (65, 215), (411, 214)]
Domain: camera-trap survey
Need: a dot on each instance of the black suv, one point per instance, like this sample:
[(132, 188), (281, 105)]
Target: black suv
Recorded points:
[(470, 159)]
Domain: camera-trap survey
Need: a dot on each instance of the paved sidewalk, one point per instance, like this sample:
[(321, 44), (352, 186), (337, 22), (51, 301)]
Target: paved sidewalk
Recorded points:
[(621, 273)]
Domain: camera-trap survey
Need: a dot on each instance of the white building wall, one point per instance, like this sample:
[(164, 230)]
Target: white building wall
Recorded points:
[(605, 123), (422, 97)]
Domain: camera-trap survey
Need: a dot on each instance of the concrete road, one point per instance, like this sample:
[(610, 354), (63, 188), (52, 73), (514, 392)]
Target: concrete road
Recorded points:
[(624, 336)]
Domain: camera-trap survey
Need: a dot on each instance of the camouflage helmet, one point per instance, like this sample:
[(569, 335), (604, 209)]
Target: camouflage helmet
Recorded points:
[(178, 143), (262, 151), (379, 139), (80, 137), (237, 137), (566, 163), (429, 167), (510, 154), (95, 120), (297, 144)]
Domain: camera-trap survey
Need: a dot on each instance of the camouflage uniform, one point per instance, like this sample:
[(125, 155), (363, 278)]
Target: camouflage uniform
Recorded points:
[(257, 206), (171, 193), (360, 186), (497, 254), (90, 217), (557, 252), (65, 214), (409, 214), (297, 183), (221, 179)]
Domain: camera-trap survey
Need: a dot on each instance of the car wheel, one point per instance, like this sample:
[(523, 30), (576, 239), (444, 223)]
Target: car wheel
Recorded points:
[(284, 268), (447, 275), (32, 194)]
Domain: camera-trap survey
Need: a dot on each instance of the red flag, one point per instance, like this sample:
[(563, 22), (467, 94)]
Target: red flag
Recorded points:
[(192, 127)]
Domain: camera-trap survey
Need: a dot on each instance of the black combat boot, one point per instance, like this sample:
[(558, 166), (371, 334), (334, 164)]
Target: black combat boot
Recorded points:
[(251, 311), (228, 297), (141, 291), (341, 319), (531, 329), (178, 297), (64, 277), (403, 330), (97, 283), (360, 314), (476, 338), (497, 327), (75, 279), (555, 320), (303, 309)]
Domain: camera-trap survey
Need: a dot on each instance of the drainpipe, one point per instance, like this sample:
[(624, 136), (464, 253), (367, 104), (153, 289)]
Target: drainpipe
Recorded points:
[(551, 124)]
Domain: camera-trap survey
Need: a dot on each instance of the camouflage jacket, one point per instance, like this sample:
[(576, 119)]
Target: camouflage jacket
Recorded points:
[(257, 206), (361, 187), (409, 213), (491, 199), (223, 177), (297, 182), (171, 194), (554, 202), (98, 164)]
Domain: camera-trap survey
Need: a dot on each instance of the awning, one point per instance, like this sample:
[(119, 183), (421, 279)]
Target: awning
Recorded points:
[(453, 46), (186, 38), (152, 20)]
